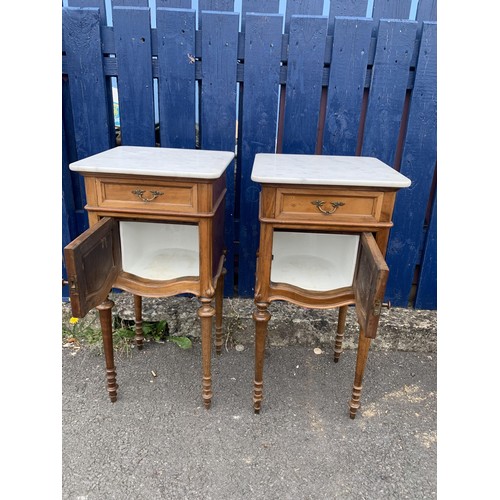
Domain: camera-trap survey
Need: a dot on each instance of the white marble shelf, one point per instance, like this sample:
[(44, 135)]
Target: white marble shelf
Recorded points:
[(325, 171), (164, 162)]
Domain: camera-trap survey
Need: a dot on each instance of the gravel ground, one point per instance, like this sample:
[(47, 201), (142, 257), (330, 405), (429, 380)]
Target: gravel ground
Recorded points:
[(158, 442)]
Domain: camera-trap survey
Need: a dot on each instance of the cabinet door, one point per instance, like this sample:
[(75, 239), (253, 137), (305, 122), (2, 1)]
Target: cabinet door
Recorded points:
[(93, 261), (369, 284)]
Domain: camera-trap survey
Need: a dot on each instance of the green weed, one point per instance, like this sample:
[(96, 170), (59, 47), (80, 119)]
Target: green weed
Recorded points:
[(77, 333)]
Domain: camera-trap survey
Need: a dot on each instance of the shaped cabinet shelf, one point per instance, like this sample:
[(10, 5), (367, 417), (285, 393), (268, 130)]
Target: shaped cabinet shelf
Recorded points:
[(156, 230), (324, 228)]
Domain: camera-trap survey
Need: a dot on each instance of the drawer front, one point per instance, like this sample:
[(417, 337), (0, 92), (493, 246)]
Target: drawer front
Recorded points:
[(144, 195), (329, 205)]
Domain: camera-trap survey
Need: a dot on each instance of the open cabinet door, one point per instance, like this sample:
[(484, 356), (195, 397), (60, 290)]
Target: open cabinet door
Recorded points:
[(93, 261), (369, 284)]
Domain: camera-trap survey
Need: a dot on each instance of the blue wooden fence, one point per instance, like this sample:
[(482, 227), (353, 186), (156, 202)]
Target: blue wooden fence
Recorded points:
[(261, 80)]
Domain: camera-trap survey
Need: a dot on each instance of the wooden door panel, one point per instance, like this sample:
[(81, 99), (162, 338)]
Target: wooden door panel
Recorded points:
[(93, 261), (369, 284)]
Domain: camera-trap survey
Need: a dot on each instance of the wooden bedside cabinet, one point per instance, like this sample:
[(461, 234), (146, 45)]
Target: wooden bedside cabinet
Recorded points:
[(324, 228), (156, 230)]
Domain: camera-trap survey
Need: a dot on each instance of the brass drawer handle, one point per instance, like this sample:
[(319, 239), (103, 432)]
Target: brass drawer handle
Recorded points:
[(140, 192), (335, 204)]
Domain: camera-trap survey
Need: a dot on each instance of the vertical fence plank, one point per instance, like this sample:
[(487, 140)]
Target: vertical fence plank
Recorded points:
[(302, 8), (82, 42), (74, 189), (389, 9), (69, 222), (219, 5), (260, 6), (67, 212), (427, 10), (426, 297), (135, 75), (105, 17), (303, 85), (219, 46), (90, 127), (259, 126), (418, 163), (129, 3), (173, 4), (213, 5), (100, 4), (86, 92), (176, 82), (351, 44), (352, 8), (395, 43)]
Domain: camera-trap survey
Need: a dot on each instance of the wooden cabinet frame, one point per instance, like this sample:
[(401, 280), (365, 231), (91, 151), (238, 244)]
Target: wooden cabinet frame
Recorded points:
[(94, 263), (368, 214)]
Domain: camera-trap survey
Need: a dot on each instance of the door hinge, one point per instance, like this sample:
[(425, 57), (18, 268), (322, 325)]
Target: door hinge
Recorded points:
[(377, 306), (73, 284)]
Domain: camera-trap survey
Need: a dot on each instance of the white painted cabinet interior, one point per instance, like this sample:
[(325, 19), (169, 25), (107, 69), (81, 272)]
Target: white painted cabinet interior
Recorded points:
[(314, 261), (159, 251)]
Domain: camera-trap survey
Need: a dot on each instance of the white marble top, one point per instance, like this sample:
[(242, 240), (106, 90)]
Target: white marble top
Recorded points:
[(165, 162), (325, 170)]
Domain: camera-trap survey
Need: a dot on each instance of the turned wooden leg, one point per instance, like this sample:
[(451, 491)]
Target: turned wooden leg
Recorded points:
[(139, 335), (261, 317), (205, 312), (107, 337), (363, 348), (219, 296), (339, 337)]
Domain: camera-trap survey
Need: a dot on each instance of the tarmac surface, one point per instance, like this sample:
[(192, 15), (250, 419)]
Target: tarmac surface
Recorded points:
[(157, 441)]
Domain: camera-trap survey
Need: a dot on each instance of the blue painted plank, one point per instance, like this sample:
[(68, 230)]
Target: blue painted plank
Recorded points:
[(219, 46), (418, 164), (176, 82), (395, 43), (427, 10), (352, 8), (213, 5), (389, 9), (76, 186), (219, 5), (258, 6), (173, 4), (259, 126), (100, 4), (66, 238), (105, 19), (302, 8), (85, 109), (68, 209), (306, 54), (351, 44), (67, 188), (426, 297), (135, 75), (87, 84), (130, 3)]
